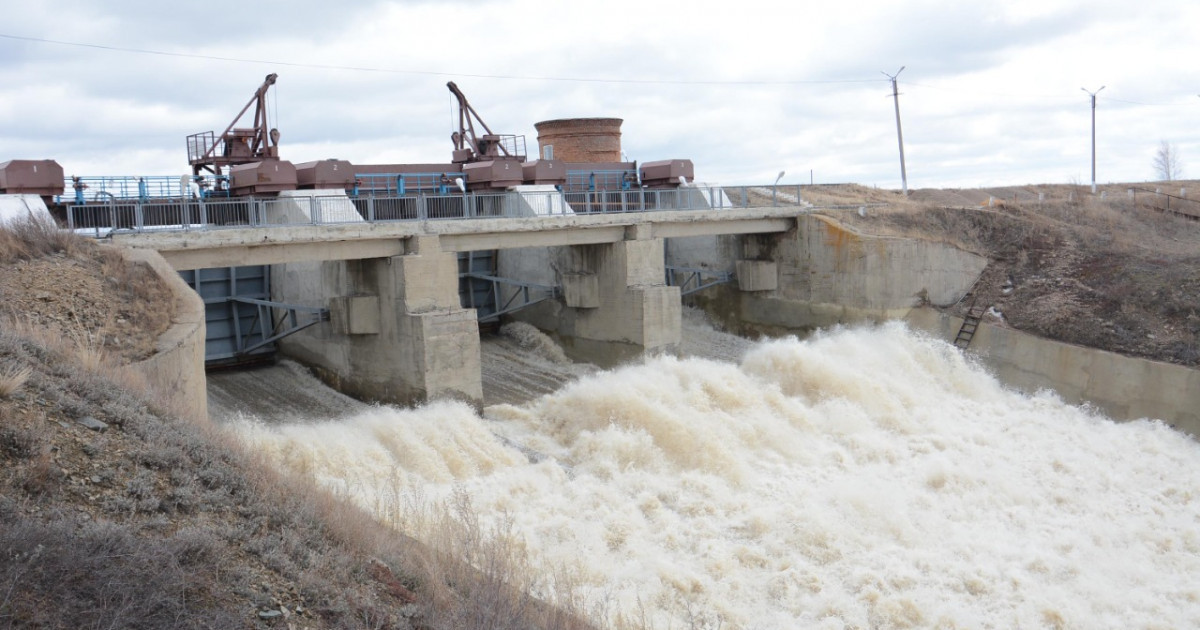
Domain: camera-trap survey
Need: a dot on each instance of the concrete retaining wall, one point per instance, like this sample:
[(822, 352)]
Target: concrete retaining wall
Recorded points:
[(1124, 388), (830, 274), (829, 263), (175, 372)]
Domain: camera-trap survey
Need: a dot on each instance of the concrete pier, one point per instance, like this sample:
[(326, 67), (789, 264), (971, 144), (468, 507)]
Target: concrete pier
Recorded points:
[(615, 306), (397, 332)]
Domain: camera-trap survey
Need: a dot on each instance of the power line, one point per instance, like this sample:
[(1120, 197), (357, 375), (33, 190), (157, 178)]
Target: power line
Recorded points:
[(1032, 95), (515, 77)]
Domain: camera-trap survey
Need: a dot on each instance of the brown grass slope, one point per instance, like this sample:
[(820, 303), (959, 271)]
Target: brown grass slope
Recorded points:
[(152, 522)]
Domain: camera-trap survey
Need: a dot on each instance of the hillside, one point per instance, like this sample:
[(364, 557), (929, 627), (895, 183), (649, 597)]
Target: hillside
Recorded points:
[(1117, 273), (115, 514)]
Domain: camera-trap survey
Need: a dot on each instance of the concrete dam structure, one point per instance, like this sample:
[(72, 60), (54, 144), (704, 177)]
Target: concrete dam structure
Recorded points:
[(398, 330)]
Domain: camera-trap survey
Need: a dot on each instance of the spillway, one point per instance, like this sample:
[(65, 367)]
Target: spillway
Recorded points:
[(868, 478)]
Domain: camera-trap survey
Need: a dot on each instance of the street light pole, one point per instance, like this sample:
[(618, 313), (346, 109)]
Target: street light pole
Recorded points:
[(1093, 95), (899, 133)]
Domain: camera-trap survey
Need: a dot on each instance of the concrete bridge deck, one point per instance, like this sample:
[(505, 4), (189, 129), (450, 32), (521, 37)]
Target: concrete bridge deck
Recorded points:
[(232, 247)]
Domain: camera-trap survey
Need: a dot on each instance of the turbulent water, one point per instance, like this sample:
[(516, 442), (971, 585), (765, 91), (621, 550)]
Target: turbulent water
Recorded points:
[(865, 478)]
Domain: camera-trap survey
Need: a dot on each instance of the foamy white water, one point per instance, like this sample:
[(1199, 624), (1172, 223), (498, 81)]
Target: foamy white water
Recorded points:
[(862, 478)]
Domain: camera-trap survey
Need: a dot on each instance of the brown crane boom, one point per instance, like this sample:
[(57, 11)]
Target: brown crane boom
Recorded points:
[(207, 151), (469, 147)]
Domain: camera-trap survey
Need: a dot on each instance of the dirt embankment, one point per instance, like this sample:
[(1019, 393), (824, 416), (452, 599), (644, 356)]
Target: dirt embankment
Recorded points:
[(115, 514), (1117, 273)]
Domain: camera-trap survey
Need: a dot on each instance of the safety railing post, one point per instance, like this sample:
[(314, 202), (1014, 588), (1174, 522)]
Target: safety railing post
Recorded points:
[(203, 214), (422, 211), (370, 209), (139, 216)]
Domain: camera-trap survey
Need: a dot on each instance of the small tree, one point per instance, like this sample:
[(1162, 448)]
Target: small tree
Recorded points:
[(1166, 162)]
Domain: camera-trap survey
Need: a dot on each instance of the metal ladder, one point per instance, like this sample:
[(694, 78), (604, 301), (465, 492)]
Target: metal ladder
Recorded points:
[(970, 324)]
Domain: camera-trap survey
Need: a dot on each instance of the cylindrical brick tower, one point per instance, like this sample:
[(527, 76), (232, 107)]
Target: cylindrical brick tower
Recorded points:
[(580, 139)]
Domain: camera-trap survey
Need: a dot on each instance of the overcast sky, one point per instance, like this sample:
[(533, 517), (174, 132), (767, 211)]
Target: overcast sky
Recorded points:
[(990, 94)]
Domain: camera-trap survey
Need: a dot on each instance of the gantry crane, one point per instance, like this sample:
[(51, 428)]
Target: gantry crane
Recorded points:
[(469, 147), (209, 152)]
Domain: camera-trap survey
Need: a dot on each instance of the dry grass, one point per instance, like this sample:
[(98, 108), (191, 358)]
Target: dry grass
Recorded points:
[(12, 379), (88, 354), (481, 577), (31, 238)]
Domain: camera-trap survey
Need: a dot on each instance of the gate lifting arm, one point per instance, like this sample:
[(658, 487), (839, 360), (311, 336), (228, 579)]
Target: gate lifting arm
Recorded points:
[(237, 146), (691, 279), (524, 294), (469, 147), (286, 324)]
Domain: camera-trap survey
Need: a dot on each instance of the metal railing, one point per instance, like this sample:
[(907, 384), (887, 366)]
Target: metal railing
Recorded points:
[(402, 184), (512, 145), (198, 145), (579, 181), (1161, 201), (156, 215), (103, 188)]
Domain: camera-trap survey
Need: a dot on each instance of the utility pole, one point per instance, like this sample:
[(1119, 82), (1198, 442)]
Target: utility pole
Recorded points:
[(1093, 95), (899, 133)]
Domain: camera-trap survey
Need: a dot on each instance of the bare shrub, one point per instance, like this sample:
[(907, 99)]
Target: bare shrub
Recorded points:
[(19, 442), (41, 477), (103, 576)]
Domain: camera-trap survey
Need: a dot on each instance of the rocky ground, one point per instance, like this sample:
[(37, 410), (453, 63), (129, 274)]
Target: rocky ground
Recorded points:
[(89, 295)]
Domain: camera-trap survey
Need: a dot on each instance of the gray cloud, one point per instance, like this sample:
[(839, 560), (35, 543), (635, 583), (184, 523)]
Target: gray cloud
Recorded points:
[(990, 93)]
